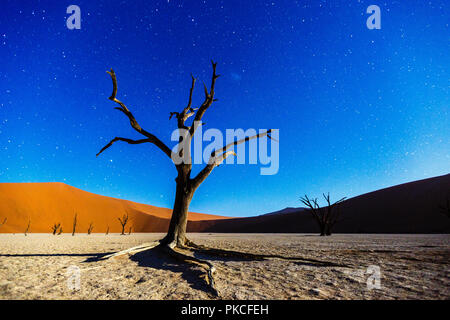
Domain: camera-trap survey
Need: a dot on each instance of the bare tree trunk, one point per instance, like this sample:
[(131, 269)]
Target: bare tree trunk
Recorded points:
[(74, 224), (123, 222), (178, 222)]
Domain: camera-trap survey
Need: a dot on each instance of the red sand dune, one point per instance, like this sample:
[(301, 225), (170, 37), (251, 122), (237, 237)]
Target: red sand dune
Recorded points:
[(48, 203), (406, 208)]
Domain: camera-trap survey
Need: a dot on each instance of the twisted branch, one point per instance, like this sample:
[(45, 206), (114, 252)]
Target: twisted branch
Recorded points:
[(133, 122), (209, 99)]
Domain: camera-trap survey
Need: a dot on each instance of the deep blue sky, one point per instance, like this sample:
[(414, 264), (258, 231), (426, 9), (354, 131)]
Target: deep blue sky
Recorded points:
[(357, 109)]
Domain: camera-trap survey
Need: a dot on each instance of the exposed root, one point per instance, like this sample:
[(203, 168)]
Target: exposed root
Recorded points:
[(142, 247), (231, 253), (174, 252)]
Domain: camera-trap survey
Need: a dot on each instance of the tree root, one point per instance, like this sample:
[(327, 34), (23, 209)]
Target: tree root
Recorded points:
[(176, 252), (172, 250), (133, 250)]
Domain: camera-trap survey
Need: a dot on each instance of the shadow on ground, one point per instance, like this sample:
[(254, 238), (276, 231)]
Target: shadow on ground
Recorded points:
[(193, 274), (93, 256), (156, 258)]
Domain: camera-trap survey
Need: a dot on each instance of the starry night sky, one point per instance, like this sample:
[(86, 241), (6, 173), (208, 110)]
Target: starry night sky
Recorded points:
[(357, 109)]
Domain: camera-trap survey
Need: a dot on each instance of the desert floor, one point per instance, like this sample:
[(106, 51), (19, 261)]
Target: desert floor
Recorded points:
[(411, 266)]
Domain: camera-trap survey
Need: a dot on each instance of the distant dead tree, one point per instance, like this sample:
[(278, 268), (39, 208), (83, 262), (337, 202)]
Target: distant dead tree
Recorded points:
[(326, 217), (60, 231), (55, 228), (445, 208), (129, 231), (107, 230), (186, 185), (4, 221), (28, 227), (74, 226), (91, 226), (123, 222)]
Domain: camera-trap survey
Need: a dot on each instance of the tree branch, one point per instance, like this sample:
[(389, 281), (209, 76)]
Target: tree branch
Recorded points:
[(191, 91), (133, 122), (188, 111), (313, 206), (122, 139), (209, 99), (213, 162), (235, 143)]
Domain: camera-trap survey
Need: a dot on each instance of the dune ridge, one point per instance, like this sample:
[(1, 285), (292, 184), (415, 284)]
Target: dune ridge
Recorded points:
[(411, 207), (54, 202)]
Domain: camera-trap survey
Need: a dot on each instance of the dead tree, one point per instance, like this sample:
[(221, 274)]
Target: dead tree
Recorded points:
[(60, 231), (55, 228), (129, 231), (107, 231), (74, 226), (91, 226), (123, 222), (4, 221), (326, 217), (175, 241), (28, 227)]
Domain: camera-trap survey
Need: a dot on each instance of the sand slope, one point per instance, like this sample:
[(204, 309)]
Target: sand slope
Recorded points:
[(49, 203), (406, 208)]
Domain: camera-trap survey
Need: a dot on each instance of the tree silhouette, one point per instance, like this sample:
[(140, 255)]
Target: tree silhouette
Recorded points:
[(91, 226), (175, 240), (55, 228), (326, 217), (4, 221), (74, 226), (28, 227), (123, 222)]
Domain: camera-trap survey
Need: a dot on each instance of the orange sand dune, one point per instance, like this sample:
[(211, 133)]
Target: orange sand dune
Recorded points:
[(48, 203)]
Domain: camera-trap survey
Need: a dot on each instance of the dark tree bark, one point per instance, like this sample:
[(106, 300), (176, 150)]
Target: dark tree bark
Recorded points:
[(178, 223), (28, 227), (74, 226), (55, 228), (4, 221), (123, 222), (90, 228), (326, 217)]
